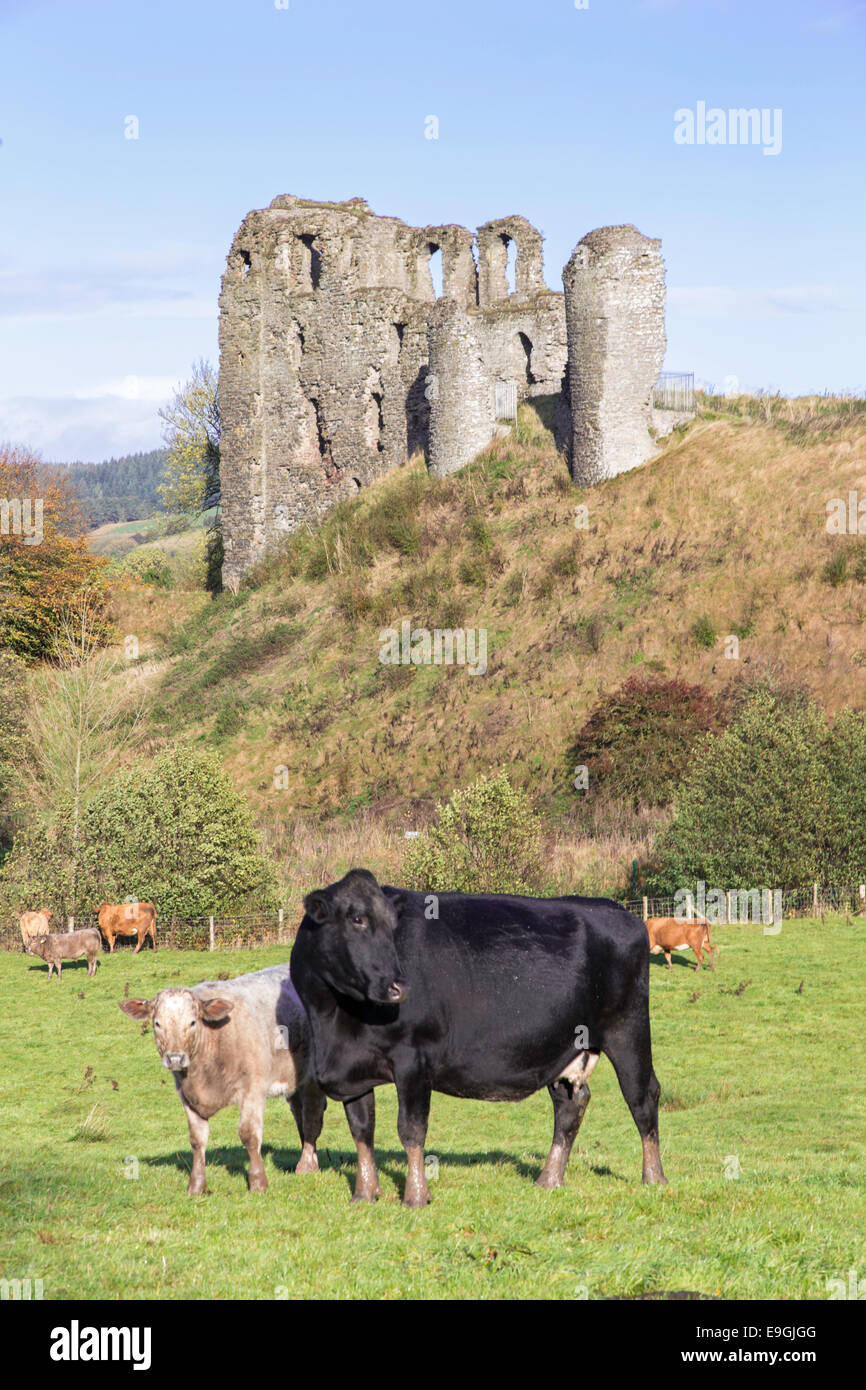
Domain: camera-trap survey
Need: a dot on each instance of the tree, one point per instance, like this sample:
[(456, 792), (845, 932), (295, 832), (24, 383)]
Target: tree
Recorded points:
[(13, 720), (192, 437), (178, 834), (44, 559), (82, 721), (753, 809)]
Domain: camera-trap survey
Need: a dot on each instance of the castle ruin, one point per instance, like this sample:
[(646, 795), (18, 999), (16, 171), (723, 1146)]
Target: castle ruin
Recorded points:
[(337, 360)]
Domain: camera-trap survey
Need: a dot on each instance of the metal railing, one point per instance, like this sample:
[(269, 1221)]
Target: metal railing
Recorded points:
[(674, 391)]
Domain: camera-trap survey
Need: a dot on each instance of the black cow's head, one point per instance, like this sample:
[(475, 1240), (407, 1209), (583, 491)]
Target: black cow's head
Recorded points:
[(353, 926)]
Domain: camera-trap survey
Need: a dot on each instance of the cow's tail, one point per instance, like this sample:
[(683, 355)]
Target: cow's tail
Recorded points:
[(699, 917)]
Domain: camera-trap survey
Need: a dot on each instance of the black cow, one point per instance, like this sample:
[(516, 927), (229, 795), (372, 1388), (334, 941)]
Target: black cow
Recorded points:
[(487, 1001)]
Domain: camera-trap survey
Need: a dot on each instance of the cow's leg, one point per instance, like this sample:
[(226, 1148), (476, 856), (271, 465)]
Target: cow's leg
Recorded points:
[(413, 1114), (198, 1136), (250, 1131), (700, 957), (631, 1055), (139, 942), (569, 1108), (308, 1108), (361, 1116), (668, 959)]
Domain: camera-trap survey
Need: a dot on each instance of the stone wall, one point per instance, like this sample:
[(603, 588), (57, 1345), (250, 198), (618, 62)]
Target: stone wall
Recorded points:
[(337, 362), (614, 303)]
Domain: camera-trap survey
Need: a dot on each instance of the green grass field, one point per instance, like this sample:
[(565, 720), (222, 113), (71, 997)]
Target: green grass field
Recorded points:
[(762, 1132)]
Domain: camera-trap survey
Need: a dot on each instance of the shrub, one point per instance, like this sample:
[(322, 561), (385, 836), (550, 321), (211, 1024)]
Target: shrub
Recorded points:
[(150, 565), (487, 839), (752, 807), (703, 632), (835, 570), (638, 740), (174, 832)]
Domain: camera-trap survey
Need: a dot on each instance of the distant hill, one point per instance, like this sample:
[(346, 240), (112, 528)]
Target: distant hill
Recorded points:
[(118, 490)]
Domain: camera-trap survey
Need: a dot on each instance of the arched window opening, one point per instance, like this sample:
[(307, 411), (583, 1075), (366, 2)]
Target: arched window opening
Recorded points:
[(435, 264), (510, 264)]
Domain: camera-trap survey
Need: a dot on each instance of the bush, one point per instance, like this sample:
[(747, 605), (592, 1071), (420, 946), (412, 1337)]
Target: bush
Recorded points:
[(174, 832), (752, 809), (638, 740), (487, 839), (703, 632), (150, 565)]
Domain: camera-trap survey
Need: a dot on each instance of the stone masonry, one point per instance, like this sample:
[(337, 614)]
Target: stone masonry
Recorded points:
[(337, 362), (615, 309)]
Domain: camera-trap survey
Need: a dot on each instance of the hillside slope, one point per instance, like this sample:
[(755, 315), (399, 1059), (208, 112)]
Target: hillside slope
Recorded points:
[(723, 534)]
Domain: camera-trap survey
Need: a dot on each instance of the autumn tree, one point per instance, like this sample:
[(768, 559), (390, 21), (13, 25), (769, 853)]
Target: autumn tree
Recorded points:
[(44, 558)]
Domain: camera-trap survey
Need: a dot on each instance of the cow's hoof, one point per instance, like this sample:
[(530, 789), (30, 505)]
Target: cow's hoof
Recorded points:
[(259, 1184), (655, 1179), (308, 1165), (366, 1196), (416, 1197), (548, 1181), (196, 1190)]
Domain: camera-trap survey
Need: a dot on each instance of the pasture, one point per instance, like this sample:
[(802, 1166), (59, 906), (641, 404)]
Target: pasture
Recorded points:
[(762, 1138)]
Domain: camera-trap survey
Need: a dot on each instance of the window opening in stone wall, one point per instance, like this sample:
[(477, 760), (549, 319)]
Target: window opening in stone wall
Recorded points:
[(246, 263), (435, 264), (526, 344), (312, 262), (510, 264)]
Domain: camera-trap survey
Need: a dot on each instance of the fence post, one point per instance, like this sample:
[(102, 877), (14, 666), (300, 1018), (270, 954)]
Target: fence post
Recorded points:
[(70, 924), (211, 933), (814, 900), (280, 932), (645, 909), (728, 907)]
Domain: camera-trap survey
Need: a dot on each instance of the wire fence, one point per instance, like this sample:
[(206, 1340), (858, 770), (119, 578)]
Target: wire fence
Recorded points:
[(741, 906), (236, 933), (246, 931)]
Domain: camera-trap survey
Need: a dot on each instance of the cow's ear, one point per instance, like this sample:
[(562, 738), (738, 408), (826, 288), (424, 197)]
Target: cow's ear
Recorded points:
[(136, 1008), (215, 1010), (399, 900), (316, 905)]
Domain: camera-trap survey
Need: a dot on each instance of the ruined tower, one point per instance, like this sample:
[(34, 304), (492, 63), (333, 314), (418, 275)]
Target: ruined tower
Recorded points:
[(337, 360), (615, 310)]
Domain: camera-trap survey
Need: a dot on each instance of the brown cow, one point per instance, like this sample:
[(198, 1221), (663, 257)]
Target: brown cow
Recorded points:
[(667, 934), (128, 919), (34, 924), (57, 947), (236, 1042)]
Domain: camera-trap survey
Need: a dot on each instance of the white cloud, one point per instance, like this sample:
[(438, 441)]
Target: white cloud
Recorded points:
[(167, 282), (90, 427), (724, 301)]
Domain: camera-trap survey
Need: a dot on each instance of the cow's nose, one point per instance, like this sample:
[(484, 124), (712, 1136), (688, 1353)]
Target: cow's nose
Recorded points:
[(398, 991), (175, 1061)]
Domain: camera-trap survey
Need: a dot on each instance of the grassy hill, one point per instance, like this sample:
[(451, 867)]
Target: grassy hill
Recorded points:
[(722, 535)]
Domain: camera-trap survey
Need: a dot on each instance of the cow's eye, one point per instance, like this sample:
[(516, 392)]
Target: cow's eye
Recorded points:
[(358, 921), (156, 1023), (192, 1023)]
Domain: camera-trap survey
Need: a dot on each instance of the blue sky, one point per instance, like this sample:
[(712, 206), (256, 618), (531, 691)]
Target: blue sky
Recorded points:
[(113, 248)]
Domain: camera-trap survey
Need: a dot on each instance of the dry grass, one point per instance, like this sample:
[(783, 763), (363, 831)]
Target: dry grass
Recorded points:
[(723, 532)]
